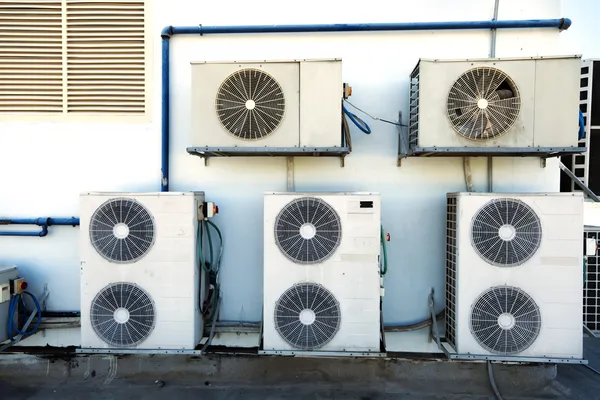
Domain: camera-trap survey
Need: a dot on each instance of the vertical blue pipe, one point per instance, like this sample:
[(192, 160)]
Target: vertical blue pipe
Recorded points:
[(164, 179)]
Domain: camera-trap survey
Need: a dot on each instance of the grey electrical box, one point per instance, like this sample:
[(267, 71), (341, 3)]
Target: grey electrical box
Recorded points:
[(7, 273)]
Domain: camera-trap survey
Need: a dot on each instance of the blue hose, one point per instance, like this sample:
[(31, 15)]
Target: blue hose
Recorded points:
[(12, 308), (581, 126), (360, 124)]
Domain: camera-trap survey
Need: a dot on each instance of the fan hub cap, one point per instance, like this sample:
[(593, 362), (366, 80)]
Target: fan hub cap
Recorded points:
[(507, 232), (308, 231), (307, 316), (121, 315), (250, 104), (121, 230), (482, 104), (506, 321)]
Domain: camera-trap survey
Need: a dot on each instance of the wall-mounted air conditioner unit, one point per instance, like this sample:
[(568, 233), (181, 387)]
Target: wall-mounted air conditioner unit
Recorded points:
[(515, 103), (321, 273), (267, 103), (140, 277), (514, 275)]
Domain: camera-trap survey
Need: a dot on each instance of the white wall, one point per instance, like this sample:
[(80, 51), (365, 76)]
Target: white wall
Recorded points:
[(46, 165)]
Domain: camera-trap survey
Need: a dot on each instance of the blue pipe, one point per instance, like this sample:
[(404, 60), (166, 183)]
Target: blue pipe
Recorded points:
[(169, 31), (44, 223)]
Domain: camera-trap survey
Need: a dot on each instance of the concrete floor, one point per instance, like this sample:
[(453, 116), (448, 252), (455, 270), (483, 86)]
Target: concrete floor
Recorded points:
[(38, 377)]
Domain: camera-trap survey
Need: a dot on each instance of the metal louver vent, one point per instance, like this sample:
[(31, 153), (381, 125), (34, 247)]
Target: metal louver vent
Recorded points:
[(122, 230), (250, 104), (483, 103), (505, 320), (308, 230), (307, 316), (506, 232), (122, 314)]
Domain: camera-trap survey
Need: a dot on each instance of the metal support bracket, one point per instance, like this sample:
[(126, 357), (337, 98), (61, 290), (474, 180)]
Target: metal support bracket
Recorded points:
[(577, 181), (543, 162)]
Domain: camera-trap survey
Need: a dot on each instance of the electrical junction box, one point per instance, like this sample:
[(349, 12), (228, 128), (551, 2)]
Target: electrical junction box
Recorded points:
[(7, 273)]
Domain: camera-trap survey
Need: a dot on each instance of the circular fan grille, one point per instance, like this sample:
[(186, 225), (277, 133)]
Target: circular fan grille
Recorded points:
[(505, 320), (483, 103), (250, 104), (122, 230), (122, 314), (308, 230), (506, 232), (307, 316)]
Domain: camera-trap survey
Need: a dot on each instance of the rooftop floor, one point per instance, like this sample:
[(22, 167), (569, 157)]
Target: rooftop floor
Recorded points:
[(29, 376)]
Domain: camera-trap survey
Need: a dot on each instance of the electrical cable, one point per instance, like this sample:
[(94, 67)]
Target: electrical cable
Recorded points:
[(12, 308), (493, 381), (413, 326), (581, 126), (375, 118), (384, 266)]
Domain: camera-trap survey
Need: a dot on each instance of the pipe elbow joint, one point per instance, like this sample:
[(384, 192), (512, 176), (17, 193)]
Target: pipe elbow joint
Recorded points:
[(565, 23), (42, 222), (167, 32)]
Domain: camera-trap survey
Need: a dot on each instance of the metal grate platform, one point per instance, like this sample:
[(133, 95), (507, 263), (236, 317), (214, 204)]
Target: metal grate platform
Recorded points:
[(209, 152)]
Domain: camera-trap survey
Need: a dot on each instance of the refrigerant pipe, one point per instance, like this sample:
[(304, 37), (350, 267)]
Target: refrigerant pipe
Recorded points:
[(44, 223)]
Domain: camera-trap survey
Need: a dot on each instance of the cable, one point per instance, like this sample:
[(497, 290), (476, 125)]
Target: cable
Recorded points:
[(413, 326), (376, 118), (384, 267), (360, 124), (12, 308), (581, 126), (594, 370), (493, 381)]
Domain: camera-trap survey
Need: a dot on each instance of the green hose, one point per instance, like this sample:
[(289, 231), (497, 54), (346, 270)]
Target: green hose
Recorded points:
[(384, 267)]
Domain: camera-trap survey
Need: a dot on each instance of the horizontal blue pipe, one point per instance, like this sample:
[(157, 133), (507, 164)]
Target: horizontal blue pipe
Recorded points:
[(44, 223), (560, 23), (168, 31)]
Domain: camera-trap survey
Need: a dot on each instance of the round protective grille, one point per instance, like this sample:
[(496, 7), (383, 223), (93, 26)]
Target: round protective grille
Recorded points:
[(122, 314), (506, 232), (250, 104), (505, 320), (122, 230), (307, 316), (483, 103), (308, 230)]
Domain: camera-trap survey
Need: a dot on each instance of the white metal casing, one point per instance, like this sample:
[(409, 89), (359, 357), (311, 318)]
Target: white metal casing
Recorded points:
[(553, 277), (313, 103), (169, 272), (548, 88), (351, 273)]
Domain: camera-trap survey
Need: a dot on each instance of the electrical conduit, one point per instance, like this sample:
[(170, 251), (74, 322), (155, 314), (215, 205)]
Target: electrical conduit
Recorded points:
[(170, 31)]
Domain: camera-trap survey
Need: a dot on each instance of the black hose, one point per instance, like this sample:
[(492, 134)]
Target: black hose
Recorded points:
[(493, 381)]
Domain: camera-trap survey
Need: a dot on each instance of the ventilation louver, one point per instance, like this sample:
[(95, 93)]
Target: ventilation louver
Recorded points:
[(307, 316), (122, 230), (483, 103), (505, 320), (250, 104), (122, 314), (308, 230), (506, 232)]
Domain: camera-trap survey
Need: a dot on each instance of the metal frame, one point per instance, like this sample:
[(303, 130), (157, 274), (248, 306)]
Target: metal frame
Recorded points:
[(447, 349), (137, 351), (294, 353), (208, 152), (541, 152)]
